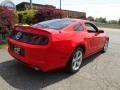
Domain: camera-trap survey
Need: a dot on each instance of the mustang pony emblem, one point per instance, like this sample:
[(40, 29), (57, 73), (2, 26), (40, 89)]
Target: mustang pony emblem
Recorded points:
[(19, 35)]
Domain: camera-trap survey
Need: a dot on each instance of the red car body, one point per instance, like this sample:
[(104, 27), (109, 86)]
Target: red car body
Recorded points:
[(56, 53)]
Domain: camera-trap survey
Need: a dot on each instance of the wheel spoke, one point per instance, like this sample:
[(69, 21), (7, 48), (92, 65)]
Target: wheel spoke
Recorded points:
[(77, 54), (79, 62), (79, 57), (74, 64)]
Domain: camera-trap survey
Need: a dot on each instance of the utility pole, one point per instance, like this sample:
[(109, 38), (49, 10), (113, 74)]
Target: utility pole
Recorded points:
[(60, 8), (30, 4), (60, 5)]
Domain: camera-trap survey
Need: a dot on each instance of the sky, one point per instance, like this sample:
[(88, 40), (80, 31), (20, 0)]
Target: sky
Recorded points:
[(109, 9)]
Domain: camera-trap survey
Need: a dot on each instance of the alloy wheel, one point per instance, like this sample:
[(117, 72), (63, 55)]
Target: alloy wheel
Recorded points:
[(77, 60)]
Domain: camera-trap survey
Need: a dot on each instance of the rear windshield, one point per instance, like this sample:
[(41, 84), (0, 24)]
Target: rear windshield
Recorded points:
[(55, 24)]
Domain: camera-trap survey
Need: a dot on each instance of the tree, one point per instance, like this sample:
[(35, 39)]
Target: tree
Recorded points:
[(113, 22), (90, 18), (47, 13), (101, 20), (7, 19), (119, 21)]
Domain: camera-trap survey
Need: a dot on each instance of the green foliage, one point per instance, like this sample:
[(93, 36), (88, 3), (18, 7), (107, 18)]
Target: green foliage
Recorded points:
[(26, 17), (3, 44), (113, 22), (119, 21), (90, 18), (101, 20)]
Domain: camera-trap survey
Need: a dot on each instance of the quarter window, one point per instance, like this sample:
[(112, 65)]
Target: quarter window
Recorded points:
[(78, 27)]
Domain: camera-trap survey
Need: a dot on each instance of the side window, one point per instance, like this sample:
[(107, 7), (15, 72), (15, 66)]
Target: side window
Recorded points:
[(78, 27), (91, 27)]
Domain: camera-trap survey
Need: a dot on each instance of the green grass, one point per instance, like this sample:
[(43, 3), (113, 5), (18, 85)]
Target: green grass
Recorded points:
[(106, 25), (3, 44)]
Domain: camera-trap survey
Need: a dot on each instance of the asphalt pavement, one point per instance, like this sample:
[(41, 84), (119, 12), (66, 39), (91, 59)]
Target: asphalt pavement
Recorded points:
[(99, 72)]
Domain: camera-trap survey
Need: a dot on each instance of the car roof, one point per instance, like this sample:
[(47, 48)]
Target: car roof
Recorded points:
[(77, 20)]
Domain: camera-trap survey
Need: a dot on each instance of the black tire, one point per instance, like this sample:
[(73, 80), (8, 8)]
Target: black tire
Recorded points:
[(69, 67)]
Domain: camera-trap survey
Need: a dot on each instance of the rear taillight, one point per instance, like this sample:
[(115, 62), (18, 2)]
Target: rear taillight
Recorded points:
[(40, 40), (30, 38)]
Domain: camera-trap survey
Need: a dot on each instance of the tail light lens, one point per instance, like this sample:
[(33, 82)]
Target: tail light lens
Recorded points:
[(30, 38), (40, 40)]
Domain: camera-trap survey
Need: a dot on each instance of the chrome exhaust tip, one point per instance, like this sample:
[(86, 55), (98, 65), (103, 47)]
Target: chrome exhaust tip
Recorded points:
[(36, 68)]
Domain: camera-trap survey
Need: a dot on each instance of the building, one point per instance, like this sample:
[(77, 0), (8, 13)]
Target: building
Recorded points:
[(67, 13), (26, 6), (74, 14)]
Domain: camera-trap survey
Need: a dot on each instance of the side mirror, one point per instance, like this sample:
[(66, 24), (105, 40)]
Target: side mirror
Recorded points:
[(100, 31)]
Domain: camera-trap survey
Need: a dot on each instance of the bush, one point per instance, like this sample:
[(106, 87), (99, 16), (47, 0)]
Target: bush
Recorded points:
[(47, 13), (26, 17), (7, 19), (0, 27)]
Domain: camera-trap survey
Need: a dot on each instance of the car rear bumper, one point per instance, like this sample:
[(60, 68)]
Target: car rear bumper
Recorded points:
[(43, 57)]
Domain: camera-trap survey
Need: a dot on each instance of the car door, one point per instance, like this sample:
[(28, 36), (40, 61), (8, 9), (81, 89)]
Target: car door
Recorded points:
[(92, 38)]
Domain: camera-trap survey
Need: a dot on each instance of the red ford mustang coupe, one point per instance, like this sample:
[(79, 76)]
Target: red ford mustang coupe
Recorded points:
[(56, 43)]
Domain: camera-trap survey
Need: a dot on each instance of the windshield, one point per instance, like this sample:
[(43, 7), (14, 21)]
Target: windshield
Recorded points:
[(55, 24)]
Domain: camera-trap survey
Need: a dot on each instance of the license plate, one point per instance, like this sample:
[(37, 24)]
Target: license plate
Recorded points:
[(17, 49)]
